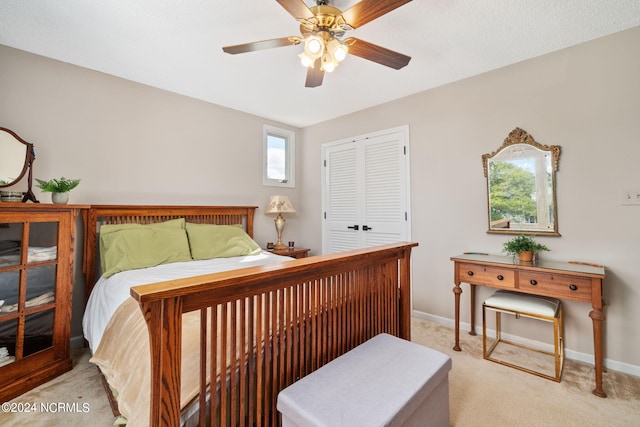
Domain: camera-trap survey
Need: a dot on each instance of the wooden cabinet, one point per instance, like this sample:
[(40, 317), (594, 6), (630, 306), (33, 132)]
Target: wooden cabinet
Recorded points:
[(36, 274)]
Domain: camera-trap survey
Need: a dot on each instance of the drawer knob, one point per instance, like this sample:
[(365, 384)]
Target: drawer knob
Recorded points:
[(470, 273), (533, 282), (573, 287), (500, 277)]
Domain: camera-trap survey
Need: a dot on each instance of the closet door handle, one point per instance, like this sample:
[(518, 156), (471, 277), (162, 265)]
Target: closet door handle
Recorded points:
[(354, 227), (366, 227)]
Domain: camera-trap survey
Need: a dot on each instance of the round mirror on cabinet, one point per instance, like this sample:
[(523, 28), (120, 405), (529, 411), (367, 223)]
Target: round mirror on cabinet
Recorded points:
[(16, 160)]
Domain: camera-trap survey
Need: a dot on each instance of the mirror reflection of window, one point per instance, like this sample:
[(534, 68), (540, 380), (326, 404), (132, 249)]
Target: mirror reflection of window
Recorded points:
[(521, 185), (513, 193), (521, 188)]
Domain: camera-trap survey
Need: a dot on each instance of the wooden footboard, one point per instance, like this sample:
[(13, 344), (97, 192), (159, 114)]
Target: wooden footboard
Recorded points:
[(272, 325)]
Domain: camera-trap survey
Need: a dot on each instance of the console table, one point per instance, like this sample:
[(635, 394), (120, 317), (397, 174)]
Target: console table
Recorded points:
[(564, 280)]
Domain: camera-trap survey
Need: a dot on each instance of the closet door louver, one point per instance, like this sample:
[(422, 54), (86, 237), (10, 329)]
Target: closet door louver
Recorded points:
[(384, 190), (366, 192), (342, 202)]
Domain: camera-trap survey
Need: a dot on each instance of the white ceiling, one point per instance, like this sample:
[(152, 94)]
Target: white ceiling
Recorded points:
[(176, 46)]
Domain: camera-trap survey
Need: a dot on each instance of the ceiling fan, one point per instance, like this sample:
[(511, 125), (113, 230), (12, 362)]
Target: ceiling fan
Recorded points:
[(323, 28)]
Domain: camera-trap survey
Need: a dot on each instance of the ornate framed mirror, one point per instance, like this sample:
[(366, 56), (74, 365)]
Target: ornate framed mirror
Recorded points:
[(521, 186), (16, 160)]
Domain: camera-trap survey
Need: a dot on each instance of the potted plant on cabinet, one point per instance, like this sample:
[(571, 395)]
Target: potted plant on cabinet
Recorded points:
[(59, 188), (523, 246)]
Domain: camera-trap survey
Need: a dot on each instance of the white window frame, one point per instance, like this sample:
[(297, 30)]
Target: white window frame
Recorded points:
[(290, 156)]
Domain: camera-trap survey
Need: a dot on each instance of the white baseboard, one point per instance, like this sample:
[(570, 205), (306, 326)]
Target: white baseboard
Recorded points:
[(614, 365)]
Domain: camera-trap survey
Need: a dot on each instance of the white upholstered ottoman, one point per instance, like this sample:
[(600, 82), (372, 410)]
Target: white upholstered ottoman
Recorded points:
[(386, 381)]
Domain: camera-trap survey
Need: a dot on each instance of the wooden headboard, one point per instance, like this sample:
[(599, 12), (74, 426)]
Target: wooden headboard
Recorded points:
[(98, 215)]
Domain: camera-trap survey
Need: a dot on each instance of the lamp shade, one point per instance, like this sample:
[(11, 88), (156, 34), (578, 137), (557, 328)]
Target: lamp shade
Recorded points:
[(278, 204)]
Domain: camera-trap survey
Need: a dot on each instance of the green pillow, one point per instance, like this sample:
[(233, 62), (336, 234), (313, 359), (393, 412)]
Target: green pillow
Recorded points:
[(112, 228), (133, 248), (209, 241)]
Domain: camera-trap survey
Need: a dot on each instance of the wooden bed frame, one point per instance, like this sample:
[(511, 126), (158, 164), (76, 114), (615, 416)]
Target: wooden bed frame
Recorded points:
[(273, 324)]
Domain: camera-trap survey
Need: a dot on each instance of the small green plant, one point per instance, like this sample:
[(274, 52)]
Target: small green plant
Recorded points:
[(62, 185), (523, 243)]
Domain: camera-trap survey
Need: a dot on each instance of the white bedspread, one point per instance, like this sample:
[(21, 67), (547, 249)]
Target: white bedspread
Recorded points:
[(109, 293)]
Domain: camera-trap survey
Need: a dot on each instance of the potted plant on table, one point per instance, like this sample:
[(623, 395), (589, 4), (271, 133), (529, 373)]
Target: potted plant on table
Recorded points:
[(523, 246), (59, 188)]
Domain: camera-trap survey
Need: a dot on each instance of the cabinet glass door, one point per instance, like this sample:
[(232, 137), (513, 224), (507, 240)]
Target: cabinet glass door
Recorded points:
[(28, 270), (10, 272)]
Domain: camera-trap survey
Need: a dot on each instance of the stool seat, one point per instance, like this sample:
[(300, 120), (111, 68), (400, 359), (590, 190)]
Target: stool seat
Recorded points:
[(524, 303), (528, 305)]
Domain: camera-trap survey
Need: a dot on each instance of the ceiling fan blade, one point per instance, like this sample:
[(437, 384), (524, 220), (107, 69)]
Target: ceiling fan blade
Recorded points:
[(314, 75), (296, 8), (377, 53), (264, 44), (368, 10)]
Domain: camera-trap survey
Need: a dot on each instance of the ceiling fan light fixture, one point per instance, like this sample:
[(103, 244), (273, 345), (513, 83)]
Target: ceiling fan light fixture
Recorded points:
[(322, 30), (305, 60), (329, 63), (337, 49), (328, 67), (313, 46)]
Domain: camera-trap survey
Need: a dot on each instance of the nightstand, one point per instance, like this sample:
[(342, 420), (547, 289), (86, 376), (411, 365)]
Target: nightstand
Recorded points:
[(292, 252)]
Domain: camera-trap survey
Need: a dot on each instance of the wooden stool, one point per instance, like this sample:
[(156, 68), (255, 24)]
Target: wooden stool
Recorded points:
[(532, 306)]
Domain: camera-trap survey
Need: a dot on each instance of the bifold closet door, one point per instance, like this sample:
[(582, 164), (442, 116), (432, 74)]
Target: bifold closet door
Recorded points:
[(366, 192)]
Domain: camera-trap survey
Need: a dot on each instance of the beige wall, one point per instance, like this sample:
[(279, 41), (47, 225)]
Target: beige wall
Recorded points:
[(134, 144), (585, 99)]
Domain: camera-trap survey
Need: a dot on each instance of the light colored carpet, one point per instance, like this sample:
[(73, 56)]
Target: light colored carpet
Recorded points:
[(80, 391), (482, 393)]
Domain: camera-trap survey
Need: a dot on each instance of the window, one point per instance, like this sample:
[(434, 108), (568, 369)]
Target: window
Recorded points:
[(279, 157)]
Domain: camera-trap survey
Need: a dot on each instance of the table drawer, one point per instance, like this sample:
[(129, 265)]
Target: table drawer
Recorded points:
[(555, 285), (487, 276)]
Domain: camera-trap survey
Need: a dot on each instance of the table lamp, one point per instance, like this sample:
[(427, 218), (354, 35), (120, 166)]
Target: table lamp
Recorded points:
[(279, 204)]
